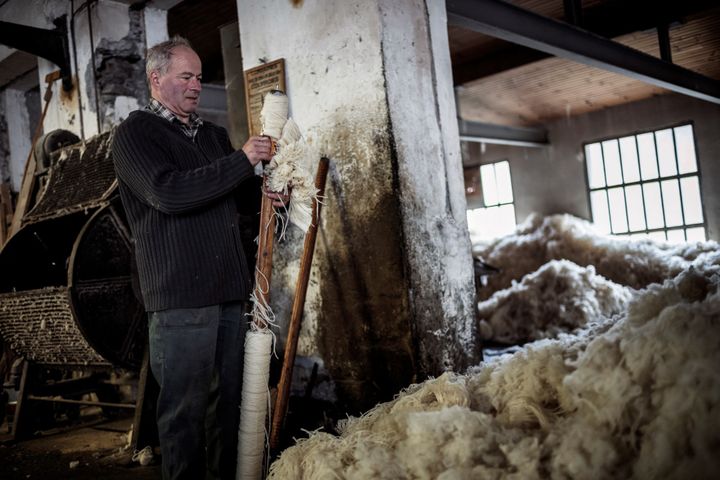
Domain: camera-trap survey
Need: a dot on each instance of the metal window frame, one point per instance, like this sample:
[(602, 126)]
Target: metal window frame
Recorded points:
[(677, 177), (498, 204)]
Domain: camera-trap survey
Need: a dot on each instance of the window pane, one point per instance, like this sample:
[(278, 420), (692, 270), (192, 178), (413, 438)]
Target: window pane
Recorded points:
[(676, 236), (600, 213), (696, 234), (636, 211), (666, 152), (659, 235), (611, 154), (685, 149), (618, 218), (628, 154), (692, 205), (489, 184), (671, 203), (648, 162), (504, 185), (596, 175), (475, 224), (491, 222), (506, 219), (653, 205)]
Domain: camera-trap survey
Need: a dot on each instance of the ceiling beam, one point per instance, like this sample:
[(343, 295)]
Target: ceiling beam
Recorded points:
[(610, 20), (501, 134), (49, 44), (513, 24)]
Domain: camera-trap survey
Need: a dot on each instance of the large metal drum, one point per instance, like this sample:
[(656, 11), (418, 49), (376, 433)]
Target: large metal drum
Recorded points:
[(66, 277)]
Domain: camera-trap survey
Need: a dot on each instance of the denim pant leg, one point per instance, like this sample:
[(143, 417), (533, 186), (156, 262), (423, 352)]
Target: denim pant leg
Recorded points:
[(182, 357), (223, 416)]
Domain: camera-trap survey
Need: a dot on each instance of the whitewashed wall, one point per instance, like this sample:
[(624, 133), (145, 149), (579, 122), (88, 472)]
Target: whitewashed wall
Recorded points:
[(392, 291)]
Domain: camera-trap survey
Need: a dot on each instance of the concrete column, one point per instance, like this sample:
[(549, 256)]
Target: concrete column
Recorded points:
[(238, 128), (19, 133), (417, 70), (392, 291)]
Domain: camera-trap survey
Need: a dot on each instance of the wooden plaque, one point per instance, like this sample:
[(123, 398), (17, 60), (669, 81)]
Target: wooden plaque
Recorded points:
[(259, 81)]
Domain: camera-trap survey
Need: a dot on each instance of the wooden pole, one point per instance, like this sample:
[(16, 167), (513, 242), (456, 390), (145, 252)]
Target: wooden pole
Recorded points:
[(6, 212), (283, 393), (263, 271)]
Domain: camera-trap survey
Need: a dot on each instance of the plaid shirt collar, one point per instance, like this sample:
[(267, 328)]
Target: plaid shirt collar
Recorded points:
[(190, 129)]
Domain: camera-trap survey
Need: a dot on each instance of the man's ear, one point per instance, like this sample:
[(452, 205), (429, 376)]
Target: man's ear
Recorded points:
[(155, 79)]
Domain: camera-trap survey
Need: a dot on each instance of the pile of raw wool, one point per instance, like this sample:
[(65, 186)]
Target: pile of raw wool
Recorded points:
[(560, 297), (635, 263), (636, 396)]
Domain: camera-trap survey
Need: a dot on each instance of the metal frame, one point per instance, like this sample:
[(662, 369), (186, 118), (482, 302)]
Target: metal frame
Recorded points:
[(513, 24), (659, 179), (502, 135)]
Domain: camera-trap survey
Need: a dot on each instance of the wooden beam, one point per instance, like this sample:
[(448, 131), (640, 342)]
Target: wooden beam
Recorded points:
[(6, 211)]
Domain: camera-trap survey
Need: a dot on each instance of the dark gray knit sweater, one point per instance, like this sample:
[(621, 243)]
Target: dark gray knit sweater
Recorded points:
[(178, 196)]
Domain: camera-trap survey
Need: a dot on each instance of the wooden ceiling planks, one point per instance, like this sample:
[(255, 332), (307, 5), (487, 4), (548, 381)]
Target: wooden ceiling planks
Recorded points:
[(552, 88)]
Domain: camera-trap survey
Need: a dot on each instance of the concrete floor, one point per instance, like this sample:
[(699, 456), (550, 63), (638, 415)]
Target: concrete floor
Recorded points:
[(98, 447)]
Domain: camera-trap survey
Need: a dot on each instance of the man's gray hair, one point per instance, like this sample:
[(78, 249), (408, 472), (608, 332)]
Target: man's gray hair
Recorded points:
[(158, 57)]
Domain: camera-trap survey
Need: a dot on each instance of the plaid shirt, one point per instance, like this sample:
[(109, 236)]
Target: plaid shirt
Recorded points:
[(190, 129)]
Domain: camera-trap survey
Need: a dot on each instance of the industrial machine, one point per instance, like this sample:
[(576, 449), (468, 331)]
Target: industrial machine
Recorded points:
[(67, 296)]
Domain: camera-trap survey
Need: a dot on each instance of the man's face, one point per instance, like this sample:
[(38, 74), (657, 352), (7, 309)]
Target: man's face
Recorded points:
[(179, 88)]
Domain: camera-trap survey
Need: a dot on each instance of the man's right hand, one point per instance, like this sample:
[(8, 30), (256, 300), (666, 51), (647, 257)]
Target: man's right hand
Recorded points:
[(257, 149)]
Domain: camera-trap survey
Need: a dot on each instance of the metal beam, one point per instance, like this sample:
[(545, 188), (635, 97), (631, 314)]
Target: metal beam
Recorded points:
[(663, 33), (48, 44), (502, 135), (513, 24), (573, 12)]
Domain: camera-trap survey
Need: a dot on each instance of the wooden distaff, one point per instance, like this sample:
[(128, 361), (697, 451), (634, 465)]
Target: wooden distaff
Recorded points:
[(297, 311), (263, 271)]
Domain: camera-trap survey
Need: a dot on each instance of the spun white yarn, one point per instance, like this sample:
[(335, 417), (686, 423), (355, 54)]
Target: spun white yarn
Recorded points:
[(254, 408), (274, 114)]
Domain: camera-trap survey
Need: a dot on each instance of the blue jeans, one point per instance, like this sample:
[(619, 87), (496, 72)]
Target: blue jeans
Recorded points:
[(196, 356)]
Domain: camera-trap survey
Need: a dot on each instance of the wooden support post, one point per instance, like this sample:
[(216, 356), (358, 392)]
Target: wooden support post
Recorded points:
[(18, 431), (283, 393), (6, 211)]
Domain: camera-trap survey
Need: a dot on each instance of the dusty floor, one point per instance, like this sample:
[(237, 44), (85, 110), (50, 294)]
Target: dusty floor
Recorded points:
[(97, 447)]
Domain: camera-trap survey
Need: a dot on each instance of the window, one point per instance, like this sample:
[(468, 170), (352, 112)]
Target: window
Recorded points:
[(496, 217), (647, 185)]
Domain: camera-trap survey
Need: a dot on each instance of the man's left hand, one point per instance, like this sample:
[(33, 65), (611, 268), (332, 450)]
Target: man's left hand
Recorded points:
[(278, 199)]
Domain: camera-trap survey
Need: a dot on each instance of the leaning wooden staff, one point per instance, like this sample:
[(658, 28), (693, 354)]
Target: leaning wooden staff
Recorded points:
[(290, 167)]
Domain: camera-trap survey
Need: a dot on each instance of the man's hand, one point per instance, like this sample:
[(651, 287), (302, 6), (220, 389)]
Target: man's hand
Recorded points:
[(257, 149), (279, 199)]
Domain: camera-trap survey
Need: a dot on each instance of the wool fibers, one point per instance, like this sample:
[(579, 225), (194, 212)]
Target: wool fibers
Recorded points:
[(559, 297), (634, 263), (632, 396)]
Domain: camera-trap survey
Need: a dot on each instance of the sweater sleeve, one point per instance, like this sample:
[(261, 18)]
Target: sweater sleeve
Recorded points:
[(143, 163)]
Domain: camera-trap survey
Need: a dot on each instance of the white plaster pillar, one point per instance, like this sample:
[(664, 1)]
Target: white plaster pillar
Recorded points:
[(418, 78), (392, 290), (19, 134), (155, 26)]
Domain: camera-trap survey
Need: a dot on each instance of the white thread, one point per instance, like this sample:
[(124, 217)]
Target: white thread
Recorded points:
[(274, 114), (253, 411)]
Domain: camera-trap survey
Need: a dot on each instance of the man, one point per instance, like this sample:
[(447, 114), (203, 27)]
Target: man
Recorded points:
[(179, 178)]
